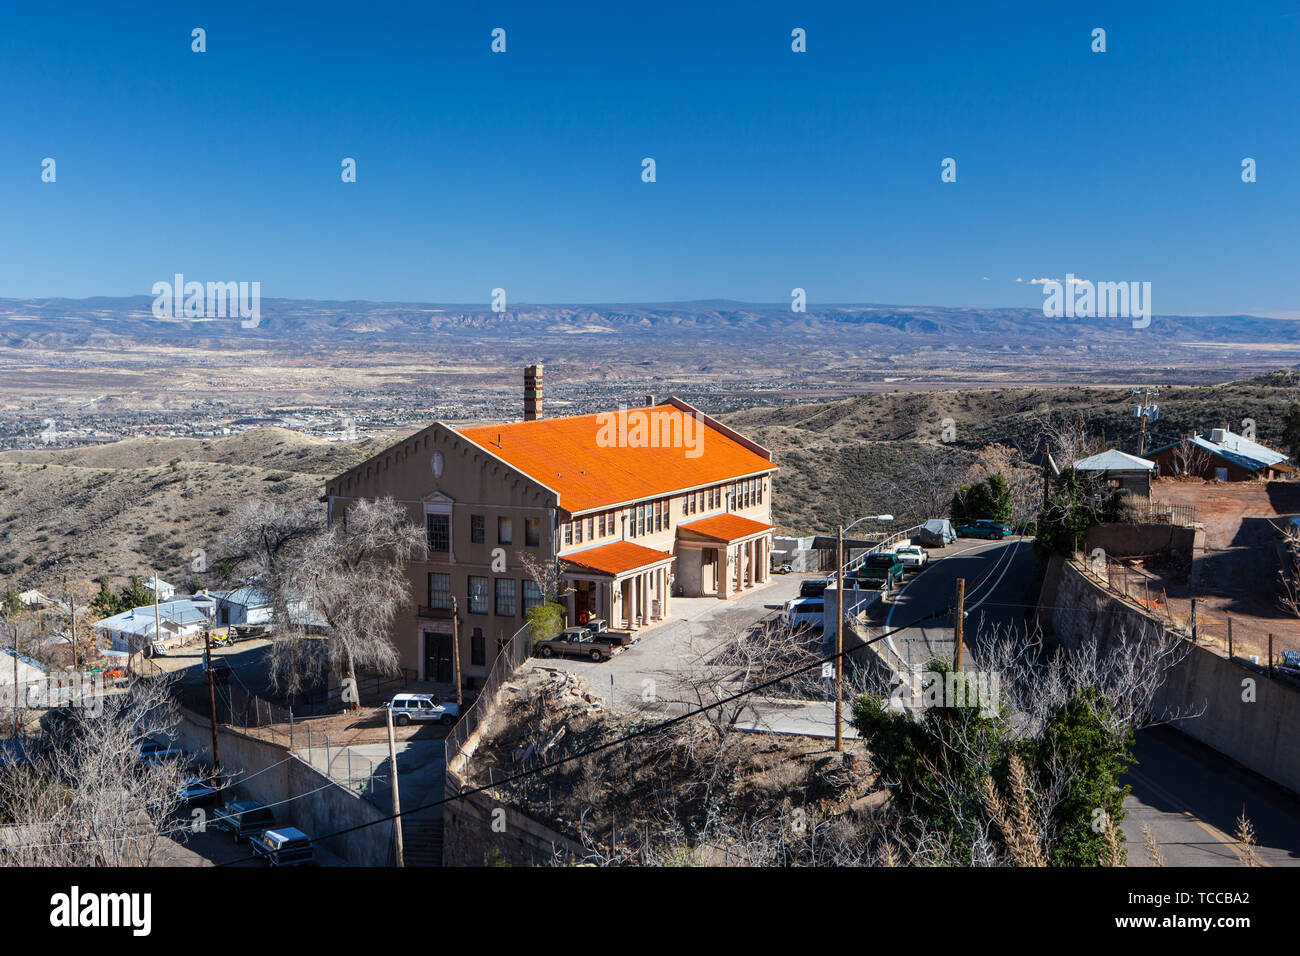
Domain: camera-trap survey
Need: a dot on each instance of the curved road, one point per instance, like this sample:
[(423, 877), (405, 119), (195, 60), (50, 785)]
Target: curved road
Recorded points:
[(1187, 794)]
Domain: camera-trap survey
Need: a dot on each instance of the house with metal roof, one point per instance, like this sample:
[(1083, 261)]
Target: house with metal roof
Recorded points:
[(634, 505), (173, 623), (1119, 469), (1220, 455)]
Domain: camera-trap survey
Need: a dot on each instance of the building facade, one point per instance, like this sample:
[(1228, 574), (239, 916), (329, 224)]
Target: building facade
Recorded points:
[(630, 508)]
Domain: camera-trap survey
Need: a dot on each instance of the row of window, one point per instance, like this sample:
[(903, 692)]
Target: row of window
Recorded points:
[(438, 531), (503, 590), (653, 516)]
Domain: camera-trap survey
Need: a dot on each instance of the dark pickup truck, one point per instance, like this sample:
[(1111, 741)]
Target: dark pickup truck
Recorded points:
[(576, 642), (883, 568)]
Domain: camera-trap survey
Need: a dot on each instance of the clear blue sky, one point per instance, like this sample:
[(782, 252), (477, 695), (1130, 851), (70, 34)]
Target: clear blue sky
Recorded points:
[(775, 169)]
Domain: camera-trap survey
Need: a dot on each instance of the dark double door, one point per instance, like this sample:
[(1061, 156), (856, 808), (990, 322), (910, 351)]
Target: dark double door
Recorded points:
[(438, 663)]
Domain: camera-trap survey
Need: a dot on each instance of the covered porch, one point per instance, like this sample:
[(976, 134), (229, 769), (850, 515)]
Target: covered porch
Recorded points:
[(723, 555), (625, 583)]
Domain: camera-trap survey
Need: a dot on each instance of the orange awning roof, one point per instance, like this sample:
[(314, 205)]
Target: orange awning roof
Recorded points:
[(617, 558), (576, 458), (726, 527)]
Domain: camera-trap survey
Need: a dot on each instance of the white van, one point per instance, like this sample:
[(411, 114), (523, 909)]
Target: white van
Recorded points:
[(806, 613)]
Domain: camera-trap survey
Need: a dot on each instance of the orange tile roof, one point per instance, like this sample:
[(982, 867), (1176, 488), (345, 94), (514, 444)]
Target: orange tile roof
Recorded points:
[(617, 557), (727, 527), (574, 457)]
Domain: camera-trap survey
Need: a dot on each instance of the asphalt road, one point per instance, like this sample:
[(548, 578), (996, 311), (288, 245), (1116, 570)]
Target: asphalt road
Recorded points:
[(1187, 794)]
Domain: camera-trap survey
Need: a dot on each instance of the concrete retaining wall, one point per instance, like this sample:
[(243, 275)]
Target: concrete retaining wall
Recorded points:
[(271, 774), (1244, 715), (478, 830)]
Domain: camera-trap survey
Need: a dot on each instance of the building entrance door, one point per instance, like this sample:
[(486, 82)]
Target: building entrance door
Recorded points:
[(437, 657)]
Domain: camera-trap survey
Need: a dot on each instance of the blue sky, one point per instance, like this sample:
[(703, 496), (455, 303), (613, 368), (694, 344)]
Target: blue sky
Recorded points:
[(774, 169)]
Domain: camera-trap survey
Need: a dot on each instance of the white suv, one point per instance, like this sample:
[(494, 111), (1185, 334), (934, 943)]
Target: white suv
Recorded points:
[(409, 707)]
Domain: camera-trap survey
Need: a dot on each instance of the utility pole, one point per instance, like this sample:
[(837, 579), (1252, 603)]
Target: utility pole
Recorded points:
[(959, 615), (1145, 411), (839, 640), (157, 624), (455, 654), (13, 626), (212, 697), (392, 782)]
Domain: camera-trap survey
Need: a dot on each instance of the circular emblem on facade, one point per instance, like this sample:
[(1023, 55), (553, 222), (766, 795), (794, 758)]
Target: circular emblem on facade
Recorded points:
[(437, 464)]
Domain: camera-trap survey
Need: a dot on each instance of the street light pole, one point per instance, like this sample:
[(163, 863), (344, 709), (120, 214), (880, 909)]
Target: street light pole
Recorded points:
[(839, 626), (839, 641)]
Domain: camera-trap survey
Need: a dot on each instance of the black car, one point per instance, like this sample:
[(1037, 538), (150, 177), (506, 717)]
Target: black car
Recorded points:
[(813, 588)]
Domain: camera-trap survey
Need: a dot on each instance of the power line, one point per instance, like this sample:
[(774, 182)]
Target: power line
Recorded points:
[(618, 741)]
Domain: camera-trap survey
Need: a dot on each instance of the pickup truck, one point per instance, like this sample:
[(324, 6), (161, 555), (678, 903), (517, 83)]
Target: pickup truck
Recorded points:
[(576, 642), (984, 528), (883, 567), (600, 630)]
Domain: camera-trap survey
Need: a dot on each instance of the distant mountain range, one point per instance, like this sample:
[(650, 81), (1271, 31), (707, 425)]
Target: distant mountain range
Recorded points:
[(48, 323)]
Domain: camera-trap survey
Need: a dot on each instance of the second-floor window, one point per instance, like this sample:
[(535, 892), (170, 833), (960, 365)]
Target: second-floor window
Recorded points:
[(440, 591), (438, 533), (532, 532), (568, 532), (478, 594), (505, 531), (476, 529)]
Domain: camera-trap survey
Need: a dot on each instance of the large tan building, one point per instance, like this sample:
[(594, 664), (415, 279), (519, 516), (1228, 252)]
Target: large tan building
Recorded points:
[(636, 505)]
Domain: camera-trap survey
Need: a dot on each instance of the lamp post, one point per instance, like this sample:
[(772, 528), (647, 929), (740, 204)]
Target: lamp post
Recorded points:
[(839, 625)]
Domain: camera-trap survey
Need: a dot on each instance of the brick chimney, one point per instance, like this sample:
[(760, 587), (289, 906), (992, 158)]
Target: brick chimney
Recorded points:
[(532, 392)]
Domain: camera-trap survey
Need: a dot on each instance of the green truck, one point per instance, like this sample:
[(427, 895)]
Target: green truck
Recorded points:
[(884, 568)]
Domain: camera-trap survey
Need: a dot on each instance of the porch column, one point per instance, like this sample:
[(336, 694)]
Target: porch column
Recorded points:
[(666, 595)]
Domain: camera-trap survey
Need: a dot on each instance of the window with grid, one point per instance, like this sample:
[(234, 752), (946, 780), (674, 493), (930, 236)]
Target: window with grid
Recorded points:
[(577, 531), (532, 595), (600, 524), (591, 528), (505, 597), (440, 591), (437, 533), (640, 519), (478, 594), (568, 532), (476, 532)]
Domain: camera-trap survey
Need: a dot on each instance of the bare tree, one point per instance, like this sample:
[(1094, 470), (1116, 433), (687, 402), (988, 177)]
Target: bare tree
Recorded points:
[(84, 799), (353, 577), (1190, 458)]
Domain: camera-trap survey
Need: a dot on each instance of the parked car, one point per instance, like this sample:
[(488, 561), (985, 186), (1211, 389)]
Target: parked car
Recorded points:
[(782, 569), (984, 528), (936, 533), (150, 753), (422, 707), (576, 642), (196, 791), (284, 846), (883, 567), (245, 819), (813, 587), (912, 556), (806, 613)]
